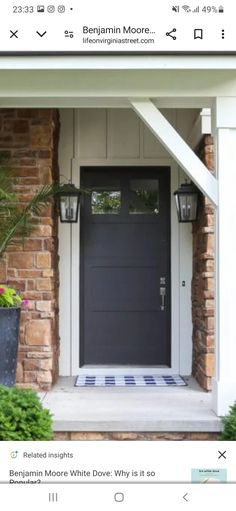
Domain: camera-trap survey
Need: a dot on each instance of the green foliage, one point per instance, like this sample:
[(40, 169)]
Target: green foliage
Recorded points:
[(229, 422), (6, 194), (16, 219), (9, 297), (105, 202), (22, 416)]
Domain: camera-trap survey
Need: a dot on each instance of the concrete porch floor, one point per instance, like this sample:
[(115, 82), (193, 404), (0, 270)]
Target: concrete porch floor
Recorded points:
[(168, 409)]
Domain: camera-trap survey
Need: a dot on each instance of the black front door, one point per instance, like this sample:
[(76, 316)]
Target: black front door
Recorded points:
[(125, 266)]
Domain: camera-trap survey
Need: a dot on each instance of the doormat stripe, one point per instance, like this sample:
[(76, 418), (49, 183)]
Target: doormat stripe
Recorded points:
[(127, 380)]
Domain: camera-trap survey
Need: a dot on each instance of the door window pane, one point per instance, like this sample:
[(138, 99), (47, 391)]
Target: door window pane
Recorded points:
[(106, 202), (144, 196)]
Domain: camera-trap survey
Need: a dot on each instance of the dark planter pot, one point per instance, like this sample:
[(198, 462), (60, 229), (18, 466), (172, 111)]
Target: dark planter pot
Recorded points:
[(9, 333)]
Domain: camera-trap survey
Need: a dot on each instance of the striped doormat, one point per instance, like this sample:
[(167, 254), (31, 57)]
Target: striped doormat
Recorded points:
[(129, 381)]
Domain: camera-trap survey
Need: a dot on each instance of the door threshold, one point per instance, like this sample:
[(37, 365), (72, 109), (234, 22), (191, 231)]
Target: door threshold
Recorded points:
[(119, 370)]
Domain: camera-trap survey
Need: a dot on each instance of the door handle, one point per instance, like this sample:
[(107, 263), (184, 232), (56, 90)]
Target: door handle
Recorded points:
[(162, 294)]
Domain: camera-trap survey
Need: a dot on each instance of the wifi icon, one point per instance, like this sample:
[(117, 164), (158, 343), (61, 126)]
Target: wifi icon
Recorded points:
[(186, 8)]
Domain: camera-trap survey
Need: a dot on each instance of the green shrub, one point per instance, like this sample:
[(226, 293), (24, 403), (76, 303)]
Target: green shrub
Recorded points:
[(22, 416), (229, 422)]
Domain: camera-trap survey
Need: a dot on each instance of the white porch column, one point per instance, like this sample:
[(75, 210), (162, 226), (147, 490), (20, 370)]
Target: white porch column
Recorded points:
[(224, 383)]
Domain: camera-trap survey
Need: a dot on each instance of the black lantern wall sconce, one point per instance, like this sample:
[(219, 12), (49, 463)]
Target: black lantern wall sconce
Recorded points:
[(68, 198), (187, 202)]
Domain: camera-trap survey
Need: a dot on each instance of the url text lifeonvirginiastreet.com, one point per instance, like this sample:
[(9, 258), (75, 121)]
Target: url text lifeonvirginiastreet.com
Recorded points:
[(116, 40)]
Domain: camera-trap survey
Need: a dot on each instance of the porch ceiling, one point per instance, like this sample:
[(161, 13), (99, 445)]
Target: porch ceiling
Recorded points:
[(140, 409)]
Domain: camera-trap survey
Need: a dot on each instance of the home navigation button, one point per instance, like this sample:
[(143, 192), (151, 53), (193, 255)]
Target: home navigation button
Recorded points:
[(119, 497)]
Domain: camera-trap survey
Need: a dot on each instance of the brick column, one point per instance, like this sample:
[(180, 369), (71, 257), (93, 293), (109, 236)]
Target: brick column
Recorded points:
[(203, 281), (28, 144)]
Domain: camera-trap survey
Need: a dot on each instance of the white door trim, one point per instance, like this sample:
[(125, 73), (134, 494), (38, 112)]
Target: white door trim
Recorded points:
[(69, 267)]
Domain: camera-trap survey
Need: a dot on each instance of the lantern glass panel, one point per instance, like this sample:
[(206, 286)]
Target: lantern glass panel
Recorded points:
[(177, 205), (188, 207), (69, 208)]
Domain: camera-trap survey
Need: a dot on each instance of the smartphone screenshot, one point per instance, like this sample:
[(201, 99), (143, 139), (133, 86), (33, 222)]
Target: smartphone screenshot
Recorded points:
[(117, 249)]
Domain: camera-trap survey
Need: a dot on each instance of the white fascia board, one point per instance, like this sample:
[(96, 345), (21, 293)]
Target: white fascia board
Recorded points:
[(54, 101), (118, 84), (177, 147), (62, 102), (165, 62)]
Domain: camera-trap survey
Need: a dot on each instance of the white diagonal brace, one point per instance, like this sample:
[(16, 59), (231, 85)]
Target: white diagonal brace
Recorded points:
[(177, 147)]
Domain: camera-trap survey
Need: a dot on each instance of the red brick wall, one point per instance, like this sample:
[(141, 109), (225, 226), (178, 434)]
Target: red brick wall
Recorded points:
[(28, 143), (203, 281)]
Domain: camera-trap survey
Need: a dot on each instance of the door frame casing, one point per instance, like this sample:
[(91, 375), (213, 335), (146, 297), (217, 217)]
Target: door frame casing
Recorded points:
[(175, 362), (69, 266)]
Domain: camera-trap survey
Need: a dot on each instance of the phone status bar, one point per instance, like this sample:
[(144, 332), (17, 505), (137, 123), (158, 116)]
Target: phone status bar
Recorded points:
[(98, 27)]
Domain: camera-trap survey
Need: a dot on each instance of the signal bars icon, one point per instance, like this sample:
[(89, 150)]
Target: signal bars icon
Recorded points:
[(175, 8)]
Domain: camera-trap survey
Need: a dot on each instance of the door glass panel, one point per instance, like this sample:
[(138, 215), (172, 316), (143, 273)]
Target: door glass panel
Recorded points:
[(105, 202), (144, 196)]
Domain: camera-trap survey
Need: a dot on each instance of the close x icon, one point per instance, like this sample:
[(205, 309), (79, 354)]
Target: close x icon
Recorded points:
[(14, 34), (222, 455)]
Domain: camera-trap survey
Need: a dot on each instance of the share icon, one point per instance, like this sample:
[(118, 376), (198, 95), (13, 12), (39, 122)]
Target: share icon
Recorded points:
[(170, 34)]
